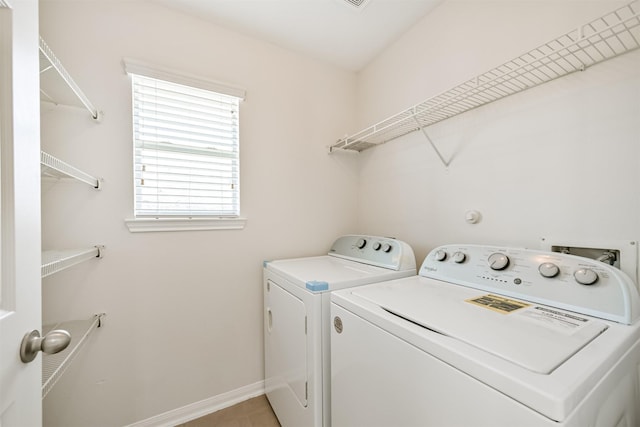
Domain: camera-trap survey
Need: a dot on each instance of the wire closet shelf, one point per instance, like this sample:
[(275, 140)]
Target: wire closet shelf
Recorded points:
[(54, 261), (49, 61), (55, 365), (53, 167), (609, 36)]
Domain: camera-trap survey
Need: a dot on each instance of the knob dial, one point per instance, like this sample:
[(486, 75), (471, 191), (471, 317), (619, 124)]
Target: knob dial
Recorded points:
[(386, 248), (459, 257), (585, 276), (498, 261), (377, 246), (548, 269), (440, 255), (361, 243)]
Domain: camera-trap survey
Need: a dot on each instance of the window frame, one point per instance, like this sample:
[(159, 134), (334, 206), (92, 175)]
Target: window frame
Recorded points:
[(182, 223)]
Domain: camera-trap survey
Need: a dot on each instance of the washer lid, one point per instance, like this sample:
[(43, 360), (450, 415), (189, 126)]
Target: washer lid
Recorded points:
[(535, 337)]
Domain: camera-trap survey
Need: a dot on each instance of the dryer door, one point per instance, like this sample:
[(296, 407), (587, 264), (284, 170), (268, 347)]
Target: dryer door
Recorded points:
[(285, 346)]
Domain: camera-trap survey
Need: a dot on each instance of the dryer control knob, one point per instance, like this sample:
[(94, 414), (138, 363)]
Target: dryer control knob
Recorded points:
[(585, 276), (377, 246), (440, 255), (386, 248), (361, 243), (498, 261), (459, 257), (548, 269)]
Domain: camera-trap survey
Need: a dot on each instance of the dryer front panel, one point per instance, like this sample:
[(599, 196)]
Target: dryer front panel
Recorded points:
[(285, 345)]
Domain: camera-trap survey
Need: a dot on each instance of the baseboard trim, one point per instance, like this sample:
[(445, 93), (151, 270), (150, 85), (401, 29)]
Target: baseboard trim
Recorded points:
[(203, 407)]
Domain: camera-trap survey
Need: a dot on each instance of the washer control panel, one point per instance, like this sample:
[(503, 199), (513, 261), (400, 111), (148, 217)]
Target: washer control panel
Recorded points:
[(561, 280), (384, 252)]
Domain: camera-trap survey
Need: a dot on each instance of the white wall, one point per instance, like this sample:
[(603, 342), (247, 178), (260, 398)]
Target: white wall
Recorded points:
[(184, 318), (558, 161)]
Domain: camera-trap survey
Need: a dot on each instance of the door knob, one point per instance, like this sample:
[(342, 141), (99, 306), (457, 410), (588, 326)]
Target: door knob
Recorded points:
[(53, 342)]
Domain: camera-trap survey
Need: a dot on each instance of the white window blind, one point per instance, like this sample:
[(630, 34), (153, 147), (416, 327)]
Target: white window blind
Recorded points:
[(186, 150)]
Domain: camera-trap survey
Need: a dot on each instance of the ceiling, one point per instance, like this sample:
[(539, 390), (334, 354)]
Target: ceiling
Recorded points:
[(335, 31)]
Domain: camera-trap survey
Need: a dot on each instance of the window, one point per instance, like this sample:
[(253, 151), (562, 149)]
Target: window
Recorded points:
[(186, 146)]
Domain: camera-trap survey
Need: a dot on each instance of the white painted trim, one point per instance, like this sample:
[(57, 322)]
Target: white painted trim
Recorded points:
[(203, 407), (134, 66), (142, 225)]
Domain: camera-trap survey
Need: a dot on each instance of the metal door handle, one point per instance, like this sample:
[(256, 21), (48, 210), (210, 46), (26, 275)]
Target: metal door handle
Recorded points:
[(53, 342)]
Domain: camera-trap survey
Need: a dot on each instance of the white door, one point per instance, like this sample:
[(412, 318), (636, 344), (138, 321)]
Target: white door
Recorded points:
[(20, 293)]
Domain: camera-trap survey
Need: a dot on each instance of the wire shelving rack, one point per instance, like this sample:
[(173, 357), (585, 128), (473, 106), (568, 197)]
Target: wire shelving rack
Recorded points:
[(607, 37), (55, 365), (59, 85)]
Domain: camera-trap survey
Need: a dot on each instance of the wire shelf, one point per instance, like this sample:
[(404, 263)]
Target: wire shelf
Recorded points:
[(54, 261), (52, 92), (55, 365), (609, 36), (53, 167)]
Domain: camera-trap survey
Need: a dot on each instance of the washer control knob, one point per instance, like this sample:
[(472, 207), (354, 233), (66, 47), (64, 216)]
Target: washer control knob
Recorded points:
[(440, 255), (585, 276), (377, 246), (548, 269), (498, 261), (361, 243), (386, 248), (459, 257)]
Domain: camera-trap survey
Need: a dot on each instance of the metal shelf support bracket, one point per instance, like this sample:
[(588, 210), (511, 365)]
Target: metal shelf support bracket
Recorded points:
[(426, 135)]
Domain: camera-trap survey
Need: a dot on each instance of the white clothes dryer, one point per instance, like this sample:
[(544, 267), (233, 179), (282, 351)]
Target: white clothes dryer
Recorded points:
[(489, 336), (297, 319)]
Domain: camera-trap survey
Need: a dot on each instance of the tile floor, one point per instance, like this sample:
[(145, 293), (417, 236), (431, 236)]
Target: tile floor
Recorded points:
[(254, 412)]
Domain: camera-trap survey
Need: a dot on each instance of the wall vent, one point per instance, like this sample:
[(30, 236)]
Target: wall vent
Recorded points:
[(358, 4)]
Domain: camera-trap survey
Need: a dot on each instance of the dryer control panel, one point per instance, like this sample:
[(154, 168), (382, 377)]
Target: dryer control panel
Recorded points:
[(384, 252), (560, 280)]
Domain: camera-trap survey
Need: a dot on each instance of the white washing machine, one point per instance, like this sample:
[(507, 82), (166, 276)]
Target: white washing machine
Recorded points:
[(489, 336), (297, 319)]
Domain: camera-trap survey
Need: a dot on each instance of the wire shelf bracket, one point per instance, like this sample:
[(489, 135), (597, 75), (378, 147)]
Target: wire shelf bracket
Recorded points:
[(55, 365), (607, 37), (53, 167), (49, 61), (435, 148)]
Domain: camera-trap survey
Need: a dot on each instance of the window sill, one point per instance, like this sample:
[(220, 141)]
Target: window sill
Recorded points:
[(143, 225)]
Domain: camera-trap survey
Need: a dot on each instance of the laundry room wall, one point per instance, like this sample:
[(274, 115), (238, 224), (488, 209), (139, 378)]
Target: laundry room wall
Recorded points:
[(183, 309), (560, 161)]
